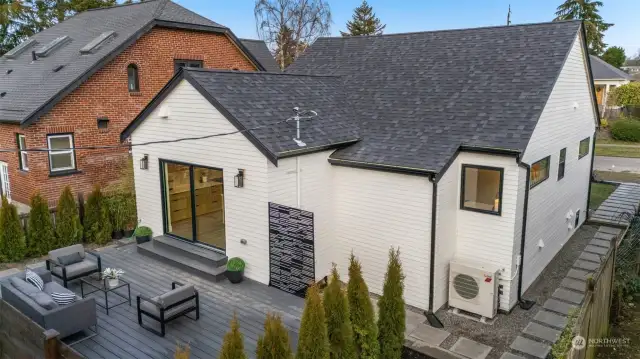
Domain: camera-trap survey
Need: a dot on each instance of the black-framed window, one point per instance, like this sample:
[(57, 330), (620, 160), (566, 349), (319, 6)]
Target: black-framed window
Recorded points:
[(539, 172), (133, 80), (62, 156), (584, 147), (561, 163), (23, 157), (177, 64), (482, 189)]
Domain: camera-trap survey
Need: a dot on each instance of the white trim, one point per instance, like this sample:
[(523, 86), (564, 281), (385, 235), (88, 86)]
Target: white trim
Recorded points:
[(5, 184), (62, 152), (24, 158)]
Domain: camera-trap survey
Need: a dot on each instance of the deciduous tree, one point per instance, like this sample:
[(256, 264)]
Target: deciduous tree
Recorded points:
[(588, 11), (615, 56), (363, 319), (364, 22), (391, 311)]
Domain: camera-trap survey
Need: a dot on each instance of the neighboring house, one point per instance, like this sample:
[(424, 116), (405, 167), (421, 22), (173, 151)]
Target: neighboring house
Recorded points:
[(606, 77), (632, 67), (472, 144), (80, 82)]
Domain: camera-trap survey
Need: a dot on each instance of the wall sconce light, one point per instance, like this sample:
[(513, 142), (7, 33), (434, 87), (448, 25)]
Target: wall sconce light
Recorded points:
[(144, 162), (238, 180)]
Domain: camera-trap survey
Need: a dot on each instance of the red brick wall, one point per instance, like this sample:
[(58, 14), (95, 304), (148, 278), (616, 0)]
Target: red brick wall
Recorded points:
[(106, 94)]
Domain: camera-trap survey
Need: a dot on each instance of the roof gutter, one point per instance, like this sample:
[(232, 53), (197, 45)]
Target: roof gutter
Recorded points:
[(381, 167)]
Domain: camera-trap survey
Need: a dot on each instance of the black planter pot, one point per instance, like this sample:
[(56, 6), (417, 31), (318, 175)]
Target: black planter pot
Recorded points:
[(117, 234), (128, 233), (142, 239), (235, 276)]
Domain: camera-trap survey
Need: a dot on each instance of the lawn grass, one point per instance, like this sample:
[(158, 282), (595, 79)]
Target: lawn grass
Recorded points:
[(611, 141), (618, 151), (618, 176), (600, 192)]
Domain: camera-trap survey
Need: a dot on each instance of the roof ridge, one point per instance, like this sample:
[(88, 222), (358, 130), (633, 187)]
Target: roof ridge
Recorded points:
[(452, 30), (121, 5), (194, 69), (254, 40)]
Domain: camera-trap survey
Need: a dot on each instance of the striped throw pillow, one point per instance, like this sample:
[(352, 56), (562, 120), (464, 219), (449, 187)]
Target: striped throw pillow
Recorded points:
[(34, 279), (63, 298)]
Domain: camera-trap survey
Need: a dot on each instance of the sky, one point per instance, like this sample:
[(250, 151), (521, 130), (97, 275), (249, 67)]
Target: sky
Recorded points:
[(425, 15)]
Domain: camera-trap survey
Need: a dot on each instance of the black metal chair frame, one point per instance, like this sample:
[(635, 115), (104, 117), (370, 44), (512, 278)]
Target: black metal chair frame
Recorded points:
[(64, 278), (162, 320)]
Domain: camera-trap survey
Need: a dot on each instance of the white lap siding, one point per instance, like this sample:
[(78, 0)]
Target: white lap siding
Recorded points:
[(246, 210), (568, 117), (377, 210)]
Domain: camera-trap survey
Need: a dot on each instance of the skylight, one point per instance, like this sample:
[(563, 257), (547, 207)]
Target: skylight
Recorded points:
[(95, 44), (47, 49), (16, 51)]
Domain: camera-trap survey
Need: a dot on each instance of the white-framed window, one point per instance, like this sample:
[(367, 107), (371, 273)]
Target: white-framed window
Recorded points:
[(61, 154), (22, 154)]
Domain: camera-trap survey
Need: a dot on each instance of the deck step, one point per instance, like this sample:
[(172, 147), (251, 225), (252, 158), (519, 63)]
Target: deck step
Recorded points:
[(177, 259), (195, 252)]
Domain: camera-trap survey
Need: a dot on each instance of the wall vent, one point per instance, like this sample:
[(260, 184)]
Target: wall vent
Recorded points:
[(95, 44), (16, 51), (48, 49)]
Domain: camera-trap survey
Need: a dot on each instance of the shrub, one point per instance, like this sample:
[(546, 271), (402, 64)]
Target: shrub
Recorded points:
[(625, 95), (363, 321), (235, 264), (313, 341), (339, 327), (183, 351), (391, 317), (561, 347), (40, 235), (117, 206), (604, 123), (68, 227), (143, 231), (274, 343), (96, 221), (233, 344), (626, 130), (12, 241)]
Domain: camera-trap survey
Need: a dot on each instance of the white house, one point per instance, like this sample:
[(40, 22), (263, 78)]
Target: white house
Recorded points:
[(472, 144), (606, 77)]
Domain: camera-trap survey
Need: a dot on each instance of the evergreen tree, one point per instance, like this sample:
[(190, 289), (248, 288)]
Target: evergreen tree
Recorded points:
[(364, 22), (233, 344), (363, 319), (338, 322), (615, 56), (68, 226), (97, 222), (313, 340), (391, 312), (12, 241), (40, 235), (586, 10), (274, 343)]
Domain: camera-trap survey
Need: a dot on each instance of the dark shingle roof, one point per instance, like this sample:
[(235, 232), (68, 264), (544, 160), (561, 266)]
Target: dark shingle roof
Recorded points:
[(602, 70), (32, 87), (260, 50), (419, 97)]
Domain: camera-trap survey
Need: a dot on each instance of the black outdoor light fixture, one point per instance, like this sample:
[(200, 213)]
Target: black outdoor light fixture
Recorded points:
[(238, 180), (144, 162)]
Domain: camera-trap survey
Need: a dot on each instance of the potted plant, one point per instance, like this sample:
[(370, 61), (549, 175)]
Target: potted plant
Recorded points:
[(235, 270), (112, 275), (143, 234)]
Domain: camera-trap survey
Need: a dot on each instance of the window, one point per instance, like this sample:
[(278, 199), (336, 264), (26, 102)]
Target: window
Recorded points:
[(132, 78), (481, 189), (539, 172), (561, 162), (61, 153), (584, 148), (177, 64), (23, 159)]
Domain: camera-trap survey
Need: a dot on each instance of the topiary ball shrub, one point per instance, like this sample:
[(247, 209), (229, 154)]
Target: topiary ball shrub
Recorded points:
[(626, 130)]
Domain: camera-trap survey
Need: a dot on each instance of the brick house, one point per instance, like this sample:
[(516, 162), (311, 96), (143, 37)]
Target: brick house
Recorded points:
[(80, 83)]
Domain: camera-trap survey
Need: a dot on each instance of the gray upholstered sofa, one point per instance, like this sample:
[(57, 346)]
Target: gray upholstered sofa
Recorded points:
[(85, 266), (66, 319)]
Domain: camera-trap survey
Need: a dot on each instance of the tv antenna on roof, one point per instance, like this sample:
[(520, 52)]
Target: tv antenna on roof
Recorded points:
[(509, 16), (307, 114)]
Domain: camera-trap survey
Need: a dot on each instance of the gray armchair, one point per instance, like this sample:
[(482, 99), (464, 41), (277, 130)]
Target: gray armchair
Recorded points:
[(179, 301), (69, 272), (30, 301)]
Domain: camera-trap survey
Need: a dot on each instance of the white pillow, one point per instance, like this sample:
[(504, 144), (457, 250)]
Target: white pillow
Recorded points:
[(63, 298), (34, 279)]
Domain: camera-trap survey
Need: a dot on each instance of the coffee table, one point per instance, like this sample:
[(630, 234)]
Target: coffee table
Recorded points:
[(101, 284)]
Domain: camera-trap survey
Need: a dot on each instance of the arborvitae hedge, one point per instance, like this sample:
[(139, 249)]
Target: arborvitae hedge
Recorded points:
[(96, 221), (40, 234), (391, 314), (363, 320), (274, 343), (339, 327), (313, 341), (233, 344), (12, 241), (68, 227)]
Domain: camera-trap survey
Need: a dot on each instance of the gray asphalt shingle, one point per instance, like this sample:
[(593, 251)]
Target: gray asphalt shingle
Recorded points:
[(260, 50), (604, 71)]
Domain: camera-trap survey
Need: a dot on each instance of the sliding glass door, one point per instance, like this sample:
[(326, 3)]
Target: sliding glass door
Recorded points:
[(194, 203)]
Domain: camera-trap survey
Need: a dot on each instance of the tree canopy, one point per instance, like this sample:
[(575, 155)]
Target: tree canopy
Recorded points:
[(588, 11), (364, 22), (615, 56)]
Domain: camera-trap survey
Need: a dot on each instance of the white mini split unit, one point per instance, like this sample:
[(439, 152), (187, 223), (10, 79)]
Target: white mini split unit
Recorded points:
[(473, 287)]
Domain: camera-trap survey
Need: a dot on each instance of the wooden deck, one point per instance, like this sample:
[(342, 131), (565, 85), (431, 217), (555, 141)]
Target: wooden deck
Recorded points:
[(119, 335)]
